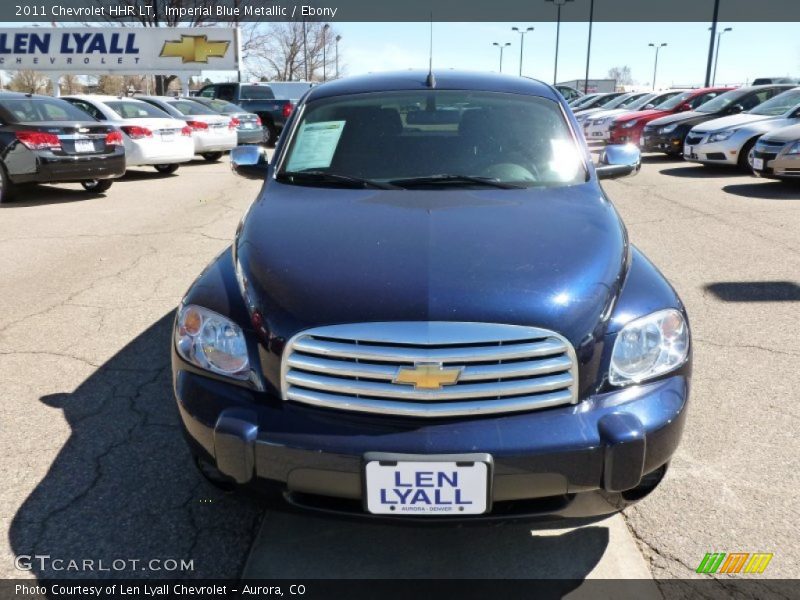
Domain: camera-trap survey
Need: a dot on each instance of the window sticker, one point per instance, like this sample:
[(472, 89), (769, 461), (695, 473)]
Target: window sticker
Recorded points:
[(315, 145)]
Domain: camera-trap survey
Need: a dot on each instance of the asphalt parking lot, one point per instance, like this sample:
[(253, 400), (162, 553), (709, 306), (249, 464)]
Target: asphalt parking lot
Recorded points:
[(95, 467)]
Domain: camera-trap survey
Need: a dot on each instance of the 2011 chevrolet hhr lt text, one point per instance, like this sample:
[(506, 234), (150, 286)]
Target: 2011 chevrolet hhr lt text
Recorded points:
[(433, 310)]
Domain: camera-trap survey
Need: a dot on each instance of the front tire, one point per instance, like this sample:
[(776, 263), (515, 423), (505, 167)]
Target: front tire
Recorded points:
[(272, 135), (166, 169), (212, 156), (96, 186), (745, 160)]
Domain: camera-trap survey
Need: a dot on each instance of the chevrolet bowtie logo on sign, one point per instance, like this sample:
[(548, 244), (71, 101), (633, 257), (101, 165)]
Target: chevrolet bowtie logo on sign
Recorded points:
[(194, 48), (428, 376), (735, 562)]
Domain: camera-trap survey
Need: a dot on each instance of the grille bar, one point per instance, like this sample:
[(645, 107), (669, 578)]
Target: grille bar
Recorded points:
[(487, 368), (388, 372), (411, 355), (442, 409)]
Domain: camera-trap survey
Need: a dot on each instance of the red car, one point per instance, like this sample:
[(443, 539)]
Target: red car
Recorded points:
[(628, 127)]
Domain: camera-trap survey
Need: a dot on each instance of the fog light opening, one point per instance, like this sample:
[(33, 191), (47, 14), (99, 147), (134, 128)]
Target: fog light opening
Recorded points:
[(648, 483)]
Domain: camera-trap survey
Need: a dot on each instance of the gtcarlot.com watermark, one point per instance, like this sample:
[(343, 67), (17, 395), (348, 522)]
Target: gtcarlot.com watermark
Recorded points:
[(44, 563)]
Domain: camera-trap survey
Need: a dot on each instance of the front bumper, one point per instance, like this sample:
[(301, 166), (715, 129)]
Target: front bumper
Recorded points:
[(52, 168), (670, 143), (777, 166), (697, 149), (567, 462)]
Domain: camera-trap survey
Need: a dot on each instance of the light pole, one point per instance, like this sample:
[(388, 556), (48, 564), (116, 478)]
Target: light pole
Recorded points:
[(716, 57), (305, 50), (338, 37), (655, 67), (324, 55), (521, 33), (714, 20), (501, 46), (559, 4), (588, 47)]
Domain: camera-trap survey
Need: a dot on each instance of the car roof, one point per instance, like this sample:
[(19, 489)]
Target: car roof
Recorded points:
[(6, 94), (101, 97), (444, 80)]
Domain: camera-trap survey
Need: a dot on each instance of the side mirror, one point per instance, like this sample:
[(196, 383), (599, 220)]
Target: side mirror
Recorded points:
[(736, 109), (618, 160), (684, 107), (649, 106), (250, 162)]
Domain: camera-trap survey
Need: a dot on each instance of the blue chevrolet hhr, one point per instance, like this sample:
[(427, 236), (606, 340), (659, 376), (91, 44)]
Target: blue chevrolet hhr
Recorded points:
[(433, 311)]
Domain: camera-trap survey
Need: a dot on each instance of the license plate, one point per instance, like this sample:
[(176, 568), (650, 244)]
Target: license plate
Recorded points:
[(758, 164), (249, 126), (597, 134), (84, 146), (426, 488), (167, 136)]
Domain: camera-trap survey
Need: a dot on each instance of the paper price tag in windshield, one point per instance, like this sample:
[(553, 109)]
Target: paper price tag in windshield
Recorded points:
[(315, 145)]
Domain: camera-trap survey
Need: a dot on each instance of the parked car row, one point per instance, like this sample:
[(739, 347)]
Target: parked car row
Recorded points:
[(93, 139), (754, 128)]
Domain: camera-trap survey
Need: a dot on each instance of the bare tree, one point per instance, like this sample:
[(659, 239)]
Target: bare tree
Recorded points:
[(29, 82), (71, 84), (276, 51), (621, 74)]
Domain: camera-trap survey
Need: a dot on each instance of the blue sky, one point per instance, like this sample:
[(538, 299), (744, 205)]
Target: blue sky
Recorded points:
[(750, 50)]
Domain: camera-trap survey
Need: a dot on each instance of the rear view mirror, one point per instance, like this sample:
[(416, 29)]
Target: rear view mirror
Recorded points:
[(250, 162), (618, 160)]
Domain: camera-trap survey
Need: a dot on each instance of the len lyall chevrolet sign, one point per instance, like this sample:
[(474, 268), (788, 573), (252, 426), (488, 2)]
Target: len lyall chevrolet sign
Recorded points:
[(119, 49)]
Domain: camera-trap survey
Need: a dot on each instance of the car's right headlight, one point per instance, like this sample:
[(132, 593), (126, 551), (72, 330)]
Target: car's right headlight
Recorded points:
[(630, 124), (721, 136), (791, 149), (648, 347), (212, 342), (668, 128)]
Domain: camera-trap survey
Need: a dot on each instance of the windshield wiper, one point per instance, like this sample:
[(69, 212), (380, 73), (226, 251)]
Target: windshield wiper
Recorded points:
[(316, 176), (447, 179)]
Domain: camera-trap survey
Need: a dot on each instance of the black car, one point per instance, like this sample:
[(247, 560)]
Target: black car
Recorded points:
[(47, 140), (668, 134)]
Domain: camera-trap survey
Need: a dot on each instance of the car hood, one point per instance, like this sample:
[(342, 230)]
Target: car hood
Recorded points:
[(785, 134), (730, 122), (649, 113), (551, 258), (689, 117), (771, 124)]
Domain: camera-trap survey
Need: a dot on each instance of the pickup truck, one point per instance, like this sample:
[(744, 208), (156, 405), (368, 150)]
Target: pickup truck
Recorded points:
[(256, 98)]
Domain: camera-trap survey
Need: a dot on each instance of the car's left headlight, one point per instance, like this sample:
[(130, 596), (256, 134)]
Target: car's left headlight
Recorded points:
[(669, 128), (721, 136), (791, 149), (648, 347), (630, 124), (212, 342)]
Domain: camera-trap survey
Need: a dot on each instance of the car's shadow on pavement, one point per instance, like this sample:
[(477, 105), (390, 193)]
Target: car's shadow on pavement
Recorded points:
[(145, 174), (765, 190), (309, 546), (703, 172), (38, 195), (660, 158), (123, 486)]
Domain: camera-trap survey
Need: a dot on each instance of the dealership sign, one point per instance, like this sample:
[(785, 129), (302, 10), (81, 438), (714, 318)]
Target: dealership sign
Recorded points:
[(166, 50)]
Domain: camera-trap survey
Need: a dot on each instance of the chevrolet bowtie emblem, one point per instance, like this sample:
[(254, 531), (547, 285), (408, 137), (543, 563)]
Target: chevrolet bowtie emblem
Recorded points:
[(194, 48), (428, 376)]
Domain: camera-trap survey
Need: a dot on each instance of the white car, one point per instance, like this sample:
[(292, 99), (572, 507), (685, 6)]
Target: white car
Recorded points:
[(597, 127), (212, 132), (151, 136)]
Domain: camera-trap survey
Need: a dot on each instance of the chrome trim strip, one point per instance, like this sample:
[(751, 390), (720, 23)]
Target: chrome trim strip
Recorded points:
[(443, 409), (474, 373), (444, 355), (353, 387)]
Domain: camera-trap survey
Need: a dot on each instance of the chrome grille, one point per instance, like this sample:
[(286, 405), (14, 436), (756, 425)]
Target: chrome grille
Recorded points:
[(502, 368)]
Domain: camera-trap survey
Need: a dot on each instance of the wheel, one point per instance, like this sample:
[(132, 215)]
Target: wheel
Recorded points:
[(96, 185), (745, 160), (6, 187), (166, 169), (272, 135), (212, 156)]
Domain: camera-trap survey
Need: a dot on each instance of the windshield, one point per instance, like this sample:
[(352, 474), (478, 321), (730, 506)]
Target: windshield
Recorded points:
[(722, 101), (188, 107), (624, 100), (675, 101), (224, 107), (136, 109), (256, 92), (440, 138), (641, 102), (584, 100), (31, 110), (778, 105)]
